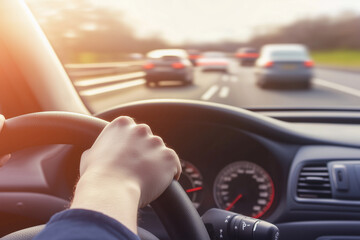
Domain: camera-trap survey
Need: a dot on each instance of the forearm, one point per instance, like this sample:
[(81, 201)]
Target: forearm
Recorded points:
[(119, 201)]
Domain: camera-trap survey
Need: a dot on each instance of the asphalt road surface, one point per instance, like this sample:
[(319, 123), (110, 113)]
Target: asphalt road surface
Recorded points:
[(330, 89)]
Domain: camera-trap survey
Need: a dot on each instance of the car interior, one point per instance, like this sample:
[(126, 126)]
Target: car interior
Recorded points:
[(301, 166)]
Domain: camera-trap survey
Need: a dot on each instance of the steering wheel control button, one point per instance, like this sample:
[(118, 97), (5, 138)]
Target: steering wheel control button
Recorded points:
[(225, 225), (341, 177)]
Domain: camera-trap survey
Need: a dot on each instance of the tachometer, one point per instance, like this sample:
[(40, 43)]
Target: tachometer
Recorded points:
[(245, 188), (192, 182)]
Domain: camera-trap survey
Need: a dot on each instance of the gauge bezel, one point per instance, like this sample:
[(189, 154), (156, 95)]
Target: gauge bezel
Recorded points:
[(226, 169)]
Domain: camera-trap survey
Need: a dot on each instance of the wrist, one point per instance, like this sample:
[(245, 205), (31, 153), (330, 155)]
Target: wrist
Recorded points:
[(115, 197)]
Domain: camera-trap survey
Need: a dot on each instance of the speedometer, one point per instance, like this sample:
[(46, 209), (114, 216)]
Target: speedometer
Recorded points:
[(192, 182), (245, 188)]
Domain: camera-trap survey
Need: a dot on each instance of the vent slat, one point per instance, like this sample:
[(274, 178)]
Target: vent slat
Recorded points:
[(314, 191), (324, 185), (317, 169), (315, 174), (314, 182)]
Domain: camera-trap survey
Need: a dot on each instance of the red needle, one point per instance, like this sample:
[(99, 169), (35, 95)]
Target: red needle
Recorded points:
[(193, 189), (233, 202)]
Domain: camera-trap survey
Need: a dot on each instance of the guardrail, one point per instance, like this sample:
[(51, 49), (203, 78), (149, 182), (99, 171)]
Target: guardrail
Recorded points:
[(79, 71), (101, 78)]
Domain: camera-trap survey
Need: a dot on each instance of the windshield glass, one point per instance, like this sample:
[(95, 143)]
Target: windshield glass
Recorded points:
[(106, 47)]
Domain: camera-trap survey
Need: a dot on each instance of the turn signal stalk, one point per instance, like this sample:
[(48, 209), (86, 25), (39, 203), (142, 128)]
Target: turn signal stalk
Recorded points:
[(225, 225)]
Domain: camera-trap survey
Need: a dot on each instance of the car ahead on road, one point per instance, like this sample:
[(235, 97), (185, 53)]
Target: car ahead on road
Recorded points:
[(168, 65), (296, 168), (194, 55), (213, 61), (286, 64), (247, 56)]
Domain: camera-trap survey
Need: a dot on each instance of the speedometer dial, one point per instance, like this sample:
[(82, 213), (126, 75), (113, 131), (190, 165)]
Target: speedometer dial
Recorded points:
[(245, 188), (192, 182)]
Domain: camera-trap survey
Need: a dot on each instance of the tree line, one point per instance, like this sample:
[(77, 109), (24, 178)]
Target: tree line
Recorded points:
[(105, 34)]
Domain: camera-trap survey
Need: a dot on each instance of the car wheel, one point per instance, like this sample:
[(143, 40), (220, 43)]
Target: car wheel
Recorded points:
[(306, 84), (261, 83), (188, 80)]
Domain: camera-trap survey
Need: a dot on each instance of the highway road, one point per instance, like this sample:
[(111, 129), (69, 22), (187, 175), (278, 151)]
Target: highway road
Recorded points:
[(330, 89)]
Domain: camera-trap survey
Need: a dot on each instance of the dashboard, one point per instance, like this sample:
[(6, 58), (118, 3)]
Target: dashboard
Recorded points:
[(310, 180), (227, 169)]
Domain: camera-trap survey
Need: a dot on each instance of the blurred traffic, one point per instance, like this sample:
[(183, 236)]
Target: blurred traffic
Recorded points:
[(284, 64), (168, 65), (224, 53)]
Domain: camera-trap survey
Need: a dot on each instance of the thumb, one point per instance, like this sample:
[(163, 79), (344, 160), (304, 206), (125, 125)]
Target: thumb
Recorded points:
[(2, 120)]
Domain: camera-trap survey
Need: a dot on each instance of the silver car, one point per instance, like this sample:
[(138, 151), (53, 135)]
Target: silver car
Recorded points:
[(284, 64), (168, 65)]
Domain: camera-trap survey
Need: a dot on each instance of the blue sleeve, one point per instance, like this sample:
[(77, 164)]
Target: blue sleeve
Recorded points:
[(76, 224)]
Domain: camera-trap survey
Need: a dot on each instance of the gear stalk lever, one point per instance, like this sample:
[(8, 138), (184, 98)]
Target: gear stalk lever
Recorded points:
[(225, 225)]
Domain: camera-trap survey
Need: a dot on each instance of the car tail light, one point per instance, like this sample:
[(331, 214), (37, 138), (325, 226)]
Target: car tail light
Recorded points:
[(194, 57), (149, 66), (268, 64), (178, 65), (309, 64), (247, 55)]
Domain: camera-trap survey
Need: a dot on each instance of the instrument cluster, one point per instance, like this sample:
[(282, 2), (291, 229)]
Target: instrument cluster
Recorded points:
[(242, 186)]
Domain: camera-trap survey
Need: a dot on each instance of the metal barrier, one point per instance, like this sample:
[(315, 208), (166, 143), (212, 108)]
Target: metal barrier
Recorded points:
[(101, 78)]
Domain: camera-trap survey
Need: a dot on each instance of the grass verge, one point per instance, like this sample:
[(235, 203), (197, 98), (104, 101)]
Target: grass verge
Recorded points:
[(338, 58)]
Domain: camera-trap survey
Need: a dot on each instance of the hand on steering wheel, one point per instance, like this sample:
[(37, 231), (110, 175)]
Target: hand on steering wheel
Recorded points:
[(173, 207), (126, 167)]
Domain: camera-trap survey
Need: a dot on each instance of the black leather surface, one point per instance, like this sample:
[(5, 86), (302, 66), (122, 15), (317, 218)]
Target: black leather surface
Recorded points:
[(30, 233)]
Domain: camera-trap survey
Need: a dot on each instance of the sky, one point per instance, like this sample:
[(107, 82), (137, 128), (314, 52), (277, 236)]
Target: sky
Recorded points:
[(181, 21)]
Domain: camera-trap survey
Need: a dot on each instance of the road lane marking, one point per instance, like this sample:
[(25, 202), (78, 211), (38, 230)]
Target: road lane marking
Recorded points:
[(225, 78), (108, 79), (210, 92), (234, 79), (337, 87), (224, 92), (112, 88)]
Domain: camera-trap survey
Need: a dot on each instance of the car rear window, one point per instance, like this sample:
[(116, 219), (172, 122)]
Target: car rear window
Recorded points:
[(289, 55), (214, 55), (170, 58)]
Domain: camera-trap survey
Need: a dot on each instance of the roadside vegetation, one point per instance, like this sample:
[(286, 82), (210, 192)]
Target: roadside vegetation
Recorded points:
[(333, 40), (341, 58)]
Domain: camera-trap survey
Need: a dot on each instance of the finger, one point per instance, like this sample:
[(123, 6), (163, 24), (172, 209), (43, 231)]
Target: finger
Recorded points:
[(156, 141), (4, 159), (123, 121), (172, 156), (2, 120), (142, 130)]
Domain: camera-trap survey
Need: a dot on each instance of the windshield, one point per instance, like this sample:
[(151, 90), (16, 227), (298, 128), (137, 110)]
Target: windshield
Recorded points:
[(105, 48)]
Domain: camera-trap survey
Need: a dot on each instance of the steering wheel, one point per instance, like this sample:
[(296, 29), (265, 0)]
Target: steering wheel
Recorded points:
[(173, 207)]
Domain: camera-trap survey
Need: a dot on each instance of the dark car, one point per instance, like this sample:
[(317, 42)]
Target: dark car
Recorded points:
[(288, 64), (168, 65), (247, 56)]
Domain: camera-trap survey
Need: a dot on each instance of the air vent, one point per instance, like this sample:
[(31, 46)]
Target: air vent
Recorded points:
[(314, 182)]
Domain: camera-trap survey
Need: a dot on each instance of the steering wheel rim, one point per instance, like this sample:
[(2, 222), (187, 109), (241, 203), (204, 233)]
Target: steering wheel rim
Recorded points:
[(173, 207)]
